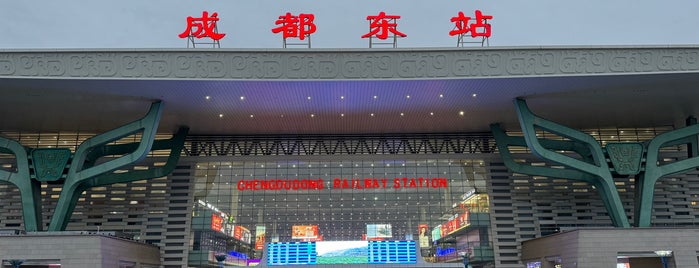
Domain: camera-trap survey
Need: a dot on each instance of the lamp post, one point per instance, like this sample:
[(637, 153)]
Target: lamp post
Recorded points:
[(220, 258), (663, 256), (16, 263), (466, 259)]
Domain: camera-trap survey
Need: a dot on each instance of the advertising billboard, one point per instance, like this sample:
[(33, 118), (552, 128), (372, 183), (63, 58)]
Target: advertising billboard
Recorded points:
[(423, 235), (241, 233), (260, 231), (304, 231), (378, 231), (216, 222)]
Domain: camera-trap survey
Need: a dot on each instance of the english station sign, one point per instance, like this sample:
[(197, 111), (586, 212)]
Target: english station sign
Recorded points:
[(340, 183)]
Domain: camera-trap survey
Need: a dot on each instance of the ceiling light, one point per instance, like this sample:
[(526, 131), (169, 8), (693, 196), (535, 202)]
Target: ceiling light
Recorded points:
[(220, 115), (441, 95), (208, 97), (461, 113), (474, 95), (431, 113), (309, 97), (402, 114), (407, 97), (242, 97), (342, 115), (342, 97), (251, 116), (375, 97), (372, 114), (313, 115)]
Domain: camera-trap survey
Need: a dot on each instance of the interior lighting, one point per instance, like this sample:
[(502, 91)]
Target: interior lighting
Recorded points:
[(342, 97), (474, 95), (461, 113), (207, 97), (313, 115), (251, 116), (309, 97), (220, 115), (242, 98), (407, 97), (372, 114), (431, 113), (441, 95), (342, 115), (402, 114)]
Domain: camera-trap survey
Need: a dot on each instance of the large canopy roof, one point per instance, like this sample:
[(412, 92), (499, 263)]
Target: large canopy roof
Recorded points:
[(313, 91)]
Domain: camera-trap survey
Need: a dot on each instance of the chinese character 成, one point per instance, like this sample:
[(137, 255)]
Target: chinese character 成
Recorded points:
[(202, 27)]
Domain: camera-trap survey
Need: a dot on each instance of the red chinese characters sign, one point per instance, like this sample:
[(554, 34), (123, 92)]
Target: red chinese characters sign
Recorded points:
[(462, 25), (204, 26), (295, 26), (381, 25)]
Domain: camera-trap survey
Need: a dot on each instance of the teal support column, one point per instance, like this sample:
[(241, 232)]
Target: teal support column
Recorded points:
[(597, 168), (608, 195), (29, 190), (83, 170), (645, 184), (84, 173), (593, 166)]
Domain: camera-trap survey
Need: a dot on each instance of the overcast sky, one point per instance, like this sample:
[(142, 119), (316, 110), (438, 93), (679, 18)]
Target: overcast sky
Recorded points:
[(340, 23)]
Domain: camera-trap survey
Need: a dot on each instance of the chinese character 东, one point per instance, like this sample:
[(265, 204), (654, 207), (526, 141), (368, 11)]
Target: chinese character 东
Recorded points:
[(463, 27), (381, 25), (202, 27), (295, 26)]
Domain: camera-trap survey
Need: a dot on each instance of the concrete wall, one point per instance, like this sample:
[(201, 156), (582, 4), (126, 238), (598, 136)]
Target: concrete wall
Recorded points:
[(76, 250), (600, 247)]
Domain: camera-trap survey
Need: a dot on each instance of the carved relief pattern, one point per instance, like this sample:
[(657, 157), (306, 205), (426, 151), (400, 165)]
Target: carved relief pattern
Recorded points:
[(625, 157), (348, 64)]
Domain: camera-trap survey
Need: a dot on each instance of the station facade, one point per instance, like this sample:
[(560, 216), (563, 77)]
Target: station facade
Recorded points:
[(235, 195)]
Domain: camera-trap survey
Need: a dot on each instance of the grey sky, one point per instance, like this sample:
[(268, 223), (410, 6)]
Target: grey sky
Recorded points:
[(248, 24)]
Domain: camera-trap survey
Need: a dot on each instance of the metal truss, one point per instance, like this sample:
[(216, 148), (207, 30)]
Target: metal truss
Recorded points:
[(404, 144)]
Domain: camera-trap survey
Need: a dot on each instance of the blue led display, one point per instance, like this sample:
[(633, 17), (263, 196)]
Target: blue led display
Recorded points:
[(291, 253), (392, 252)]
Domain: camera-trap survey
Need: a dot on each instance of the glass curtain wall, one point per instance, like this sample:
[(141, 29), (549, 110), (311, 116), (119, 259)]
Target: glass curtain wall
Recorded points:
[(240, 205)]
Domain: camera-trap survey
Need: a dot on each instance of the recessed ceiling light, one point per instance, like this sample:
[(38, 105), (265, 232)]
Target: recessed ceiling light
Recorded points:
[(251, 116), (342, 97), (372, 114), (242, 97), (474, 95), (441, 95), (407, 97), (220, 115), (309, 97), (375, 97), (402, 114), (208, 97), (461, 113), (342, 115), (313, 115), (431, 113)]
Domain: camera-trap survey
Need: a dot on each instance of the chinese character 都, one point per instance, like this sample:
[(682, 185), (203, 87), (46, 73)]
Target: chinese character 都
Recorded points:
[(463, 27), (202, 27), (295, 26), (382, 24)]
